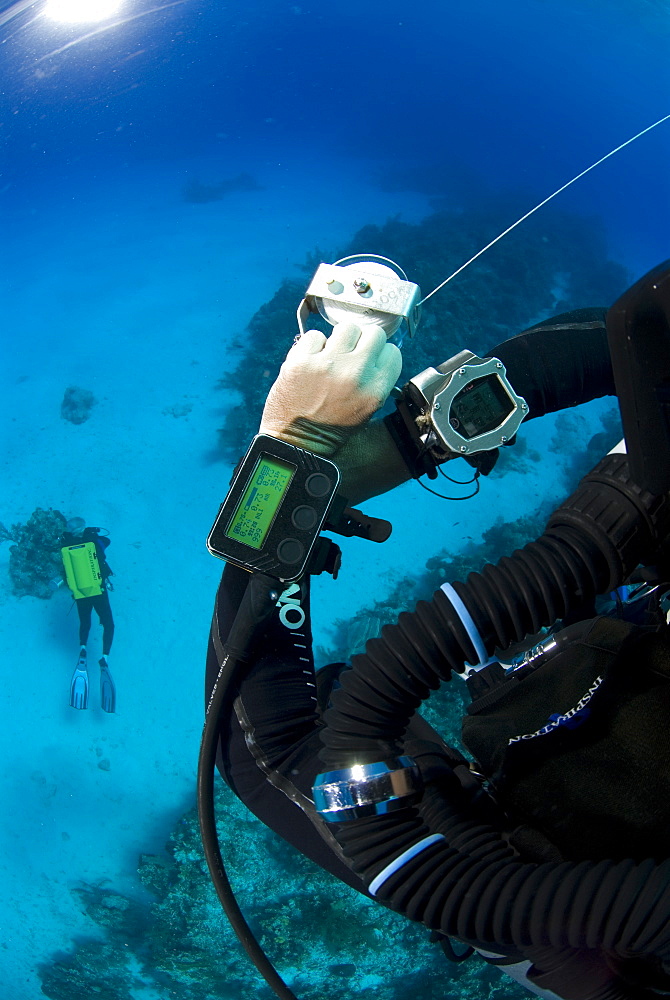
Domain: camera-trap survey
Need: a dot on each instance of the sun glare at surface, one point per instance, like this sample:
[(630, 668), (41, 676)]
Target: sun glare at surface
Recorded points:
[(81, 11)]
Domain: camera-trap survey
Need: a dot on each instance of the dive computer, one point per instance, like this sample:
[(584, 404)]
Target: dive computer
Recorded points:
[(464, 406), (278, 501)]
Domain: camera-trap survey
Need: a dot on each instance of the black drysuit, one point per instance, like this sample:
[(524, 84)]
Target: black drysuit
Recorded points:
[(269, 740)]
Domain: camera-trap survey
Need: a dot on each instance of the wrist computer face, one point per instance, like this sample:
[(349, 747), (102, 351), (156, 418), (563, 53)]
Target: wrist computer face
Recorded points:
[(275, 508), (469, 402)]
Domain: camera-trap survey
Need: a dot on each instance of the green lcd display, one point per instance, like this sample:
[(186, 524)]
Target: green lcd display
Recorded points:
[(260, 501)]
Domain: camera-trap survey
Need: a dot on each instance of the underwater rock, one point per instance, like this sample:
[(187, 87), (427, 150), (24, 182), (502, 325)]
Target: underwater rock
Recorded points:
[(199, 194), (35, 561), (97, 970), (178, 410), (267, 341), (360, 629), (77, 404), (583, 455)]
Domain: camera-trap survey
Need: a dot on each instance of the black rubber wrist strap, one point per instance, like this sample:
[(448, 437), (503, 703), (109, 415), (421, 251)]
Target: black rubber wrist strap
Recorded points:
[(404, 432)]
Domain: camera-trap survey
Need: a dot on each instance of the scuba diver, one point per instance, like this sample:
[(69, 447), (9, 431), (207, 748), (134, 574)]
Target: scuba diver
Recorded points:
[(87, 574), (547, 852)]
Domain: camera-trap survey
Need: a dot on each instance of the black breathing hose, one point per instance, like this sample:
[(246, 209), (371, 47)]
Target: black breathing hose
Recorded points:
[(260, 597), (469, 884)]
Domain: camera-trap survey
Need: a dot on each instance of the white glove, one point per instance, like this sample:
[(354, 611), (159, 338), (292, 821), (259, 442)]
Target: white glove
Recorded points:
[(328, 387)]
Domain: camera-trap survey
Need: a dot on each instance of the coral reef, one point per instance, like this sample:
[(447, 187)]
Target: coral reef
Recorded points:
[(77, 404), (268, 336), (198, 193), (502, 538), (518, 457), (552, 263), (569, 439), (34, 559), (326, 939)]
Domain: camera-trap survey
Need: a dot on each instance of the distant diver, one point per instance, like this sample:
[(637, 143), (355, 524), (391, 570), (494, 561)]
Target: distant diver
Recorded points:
[(87, 574)]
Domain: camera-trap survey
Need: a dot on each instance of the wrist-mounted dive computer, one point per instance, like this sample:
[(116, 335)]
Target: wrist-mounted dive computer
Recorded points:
[(278, 501), (462, 407)]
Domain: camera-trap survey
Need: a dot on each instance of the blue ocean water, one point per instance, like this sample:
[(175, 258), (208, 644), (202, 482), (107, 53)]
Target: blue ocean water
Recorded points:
[(162, 172)]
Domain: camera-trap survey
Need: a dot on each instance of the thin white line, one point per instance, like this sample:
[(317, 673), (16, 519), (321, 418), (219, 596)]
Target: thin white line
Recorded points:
[(558, 191)]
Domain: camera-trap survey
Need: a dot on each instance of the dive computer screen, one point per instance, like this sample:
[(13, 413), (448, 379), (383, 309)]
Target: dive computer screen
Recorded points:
[(480, 407), (260, 501)]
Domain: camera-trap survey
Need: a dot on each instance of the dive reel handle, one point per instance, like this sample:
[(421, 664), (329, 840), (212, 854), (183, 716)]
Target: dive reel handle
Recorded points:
[(350, 522)]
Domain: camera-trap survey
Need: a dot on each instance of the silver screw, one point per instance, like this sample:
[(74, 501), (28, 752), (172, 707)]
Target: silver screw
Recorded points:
[(461, 371), (499, 364), (463, 448), (361, 285), (503, 439), (437, 406)]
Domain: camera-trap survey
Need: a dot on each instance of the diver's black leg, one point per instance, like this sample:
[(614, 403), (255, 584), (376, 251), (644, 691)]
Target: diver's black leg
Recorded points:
[(84, 610), (104, 609)]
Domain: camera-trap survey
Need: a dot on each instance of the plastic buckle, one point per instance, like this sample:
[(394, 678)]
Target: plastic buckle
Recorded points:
[(326, 558)]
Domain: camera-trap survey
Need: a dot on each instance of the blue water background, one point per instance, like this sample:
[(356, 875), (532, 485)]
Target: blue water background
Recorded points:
[(111, 280), (525, 94)]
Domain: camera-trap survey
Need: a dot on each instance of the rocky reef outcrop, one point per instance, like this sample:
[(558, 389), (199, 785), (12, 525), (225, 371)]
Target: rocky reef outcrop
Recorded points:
[(34, 558), (553, 263), (175, 943), (77, 404)]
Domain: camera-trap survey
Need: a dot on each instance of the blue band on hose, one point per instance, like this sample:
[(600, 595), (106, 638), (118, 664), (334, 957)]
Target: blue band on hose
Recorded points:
[(470, 627), (401, 860)]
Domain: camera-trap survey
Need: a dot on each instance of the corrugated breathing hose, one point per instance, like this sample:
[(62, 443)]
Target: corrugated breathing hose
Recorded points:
[(462, 878)]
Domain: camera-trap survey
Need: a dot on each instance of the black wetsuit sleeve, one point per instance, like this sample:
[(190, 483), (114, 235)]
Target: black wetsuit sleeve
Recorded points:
[(561, 362), (269, 734)]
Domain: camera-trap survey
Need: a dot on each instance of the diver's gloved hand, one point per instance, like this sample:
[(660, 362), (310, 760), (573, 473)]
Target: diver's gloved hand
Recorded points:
[(328, 387)]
